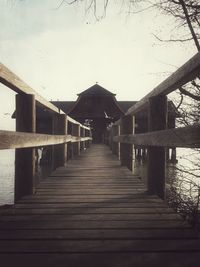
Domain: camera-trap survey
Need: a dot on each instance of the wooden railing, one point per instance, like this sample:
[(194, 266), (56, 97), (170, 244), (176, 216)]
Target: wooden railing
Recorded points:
[(66, 139), (122, 139)]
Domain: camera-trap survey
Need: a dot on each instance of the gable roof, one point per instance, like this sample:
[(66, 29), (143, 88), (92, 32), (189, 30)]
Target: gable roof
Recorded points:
[(65, 106), (96, 90)]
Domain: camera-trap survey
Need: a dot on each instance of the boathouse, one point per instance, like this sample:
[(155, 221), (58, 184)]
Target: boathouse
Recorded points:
[(98, 107)]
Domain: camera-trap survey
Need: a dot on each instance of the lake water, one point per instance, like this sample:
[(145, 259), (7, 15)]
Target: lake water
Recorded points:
[(186, 159), (7, 158)]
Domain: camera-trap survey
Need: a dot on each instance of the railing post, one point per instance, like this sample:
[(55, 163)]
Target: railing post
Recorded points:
[(59, 151), (76, 145), (82, 145), (114, 144), (127, 150), (87, 134), (25, 157), (112, 133), (118, 143), (156, 155)]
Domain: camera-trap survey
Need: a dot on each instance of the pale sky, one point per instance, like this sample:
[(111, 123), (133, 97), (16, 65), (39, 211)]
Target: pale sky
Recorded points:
[(61, 52)]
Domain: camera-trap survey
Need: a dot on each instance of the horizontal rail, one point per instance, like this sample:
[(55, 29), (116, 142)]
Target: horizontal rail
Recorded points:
[(8, 78), (11, 80), (76, 122), (188, 137), (190, 70), (12, 140)]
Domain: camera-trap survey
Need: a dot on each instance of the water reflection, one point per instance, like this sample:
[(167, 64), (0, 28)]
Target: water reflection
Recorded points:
[(7, 168), (7, 158)]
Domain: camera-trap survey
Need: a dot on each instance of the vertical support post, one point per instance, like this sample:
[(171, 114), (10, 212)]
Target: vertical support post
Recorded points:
[(115, 144), (25, 157), (127, 150), (83, 135), (167, 153), (118, 144), (156, 155), (112, 134), (76, 145), (87, 134), (173, 155), (59, 151)]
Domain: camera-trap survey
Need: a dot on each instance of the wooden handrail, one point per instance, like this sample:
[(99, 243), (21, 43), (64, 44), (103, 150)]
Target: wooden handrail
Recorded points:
[(157, 138), (188, 137), (25, 140), (190, 70), (11, 80), (12, 140)]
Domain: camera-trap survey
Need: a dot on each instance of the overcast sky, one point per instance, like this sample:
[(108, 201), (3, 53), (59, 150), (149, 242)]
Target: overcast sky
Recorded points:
[(61, 52)]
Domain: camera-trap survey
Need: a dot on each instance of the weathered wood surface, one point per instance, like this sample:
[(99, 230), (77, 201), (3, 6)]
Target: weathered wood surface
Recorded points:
[(25, 157), (187, 72), (94, 213), (11, 80), (157, 120), (181, 137), (11, 140)]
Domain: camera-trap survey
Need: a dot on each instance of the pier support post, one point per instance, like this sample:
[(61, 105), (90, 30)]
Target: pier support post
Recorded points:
[(156, 155), (76, 145), (83, 143), (59, 151), (127, 150), (87, 134), (115, 144), (25, 157)]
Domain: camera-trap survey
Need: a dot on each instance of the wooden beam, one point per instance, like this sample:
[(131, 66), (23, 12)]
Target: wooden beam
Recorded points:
[(25, 157), (188, 137), (9, 79), (157, 119), (59, 155), (190, 70), (126, 150), (12, 140), (76, 145)]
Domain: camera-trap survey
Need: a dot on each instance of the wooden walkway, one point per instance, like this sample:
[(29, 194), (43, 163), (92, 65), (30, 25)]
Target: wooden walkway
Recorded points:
[(94, 213)]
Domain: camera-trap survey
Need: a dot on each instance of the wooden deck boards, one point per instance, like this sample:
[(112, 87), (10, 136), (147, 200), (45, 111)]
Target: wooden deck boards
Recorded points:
[(94, 213)]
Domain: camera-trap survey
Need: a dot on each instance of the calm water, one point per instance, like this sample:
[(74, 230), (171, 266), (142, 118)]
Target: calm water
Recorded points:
[(186, 159), (7, 158)]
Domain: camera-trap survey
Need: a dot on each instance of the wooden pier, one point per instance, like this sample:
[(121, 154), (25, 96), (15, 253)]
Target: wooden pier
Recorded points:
[(95, 212), (92, 210)]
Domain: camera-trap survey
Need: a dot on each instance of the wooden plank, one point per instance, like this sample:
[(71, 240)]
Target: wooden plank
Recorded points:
[(116, 224), (89, 210), (180, 137), (43, 205), (45, 246), (11, 140), (96, 208), (125, 259), (114, 234), (187, 72), (62, 216)]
